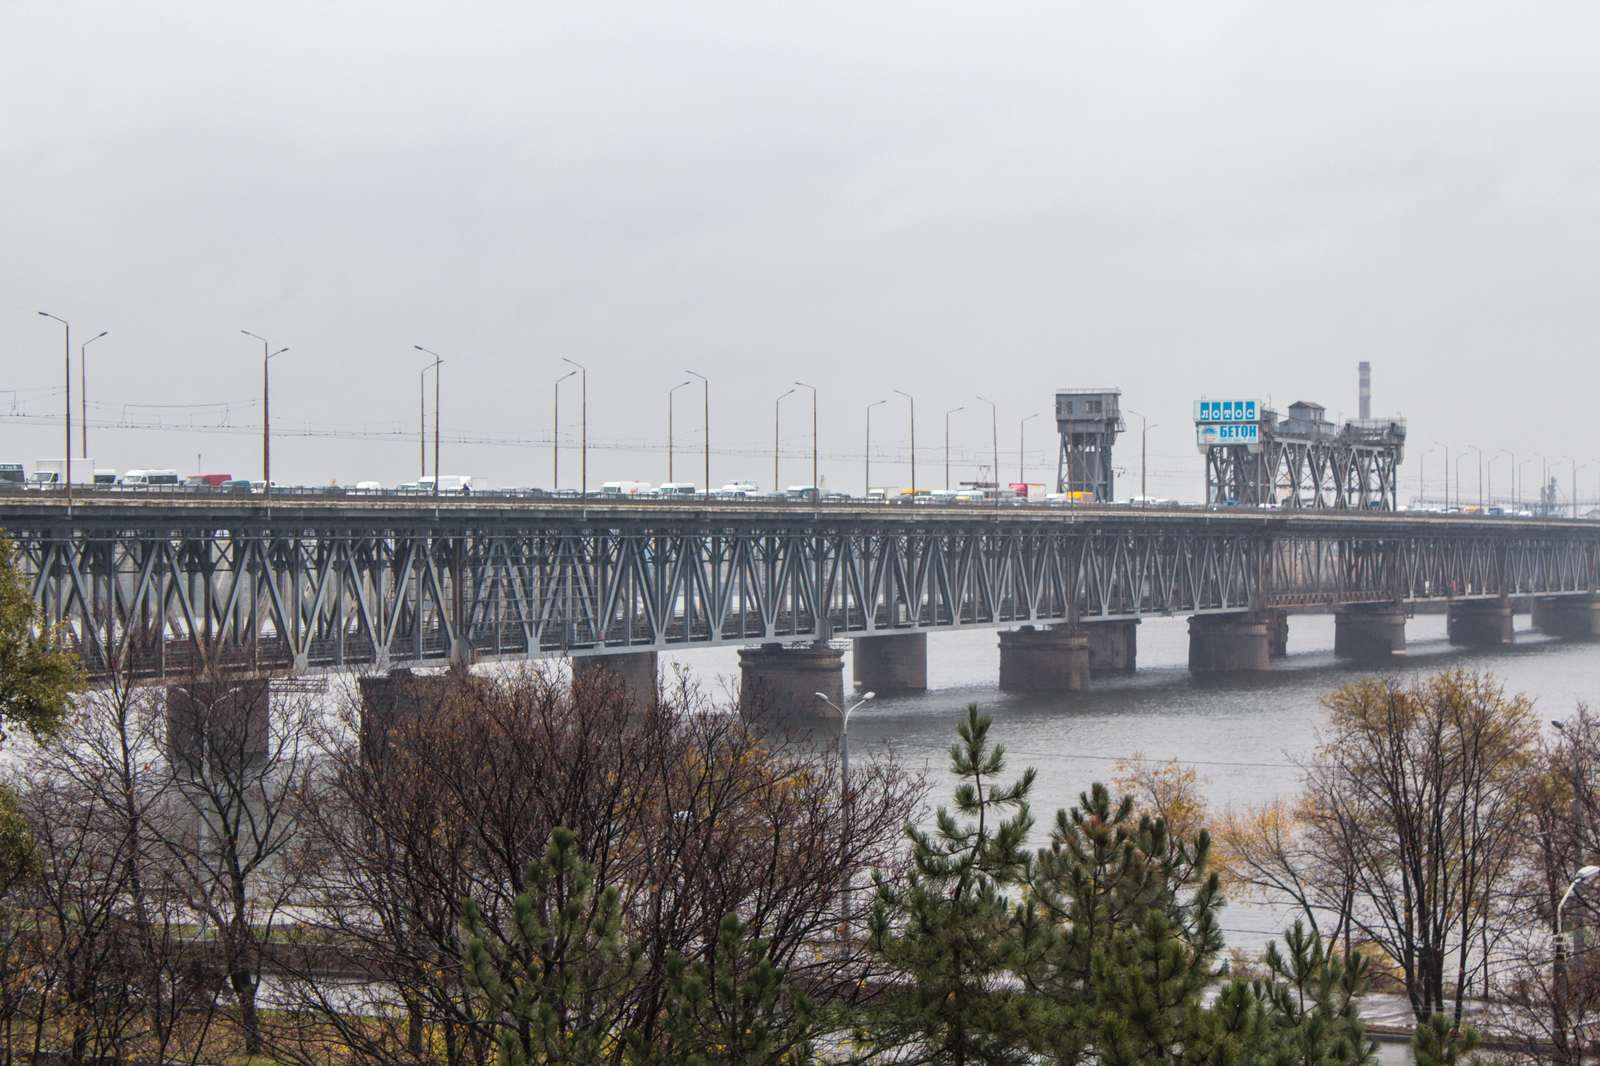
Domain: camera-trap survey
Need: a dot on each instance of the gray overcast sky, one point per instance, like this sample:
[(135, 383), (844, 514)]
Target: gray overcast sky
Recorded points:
[(998, 198)]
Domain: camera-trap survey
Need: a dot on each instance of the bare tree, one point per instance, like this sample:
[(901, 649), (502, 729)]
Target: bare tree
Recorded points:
[(239, 757), (678, 805)]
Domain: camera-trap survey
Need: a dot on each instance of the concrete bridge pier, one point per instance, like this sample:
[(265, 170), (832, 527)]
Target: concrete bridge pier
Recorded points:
[(1277, 634), (1113, 646), (1573, 617), (390, 700), (890, 662), (1369, 632), (1480, 623), (1226, 643), (636, 671), (778, 684), (1044, 660), (225, 723)]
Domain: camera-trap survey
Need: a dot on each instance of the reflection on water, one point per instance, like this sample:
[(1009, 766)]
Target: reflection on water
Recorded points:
[(1243, 733)]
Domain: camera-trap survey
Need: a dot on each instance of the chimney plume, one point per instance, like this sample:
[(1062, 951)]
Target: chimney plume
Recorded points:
[(1366, 389)]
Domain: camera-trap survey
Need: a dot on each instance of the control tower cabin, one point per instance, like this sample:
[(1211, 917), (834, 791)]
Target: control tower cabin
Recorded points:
[(1089, 421)]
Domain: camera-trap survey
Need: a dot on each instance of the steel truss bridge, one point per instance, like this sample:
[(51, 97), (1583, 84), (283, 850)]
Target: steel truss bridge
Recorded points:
[(166, 587)]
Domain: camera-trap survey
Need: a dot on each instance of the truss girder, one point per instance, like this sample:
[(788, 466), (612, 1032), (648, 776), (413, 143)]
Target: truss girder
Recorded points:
[(163, 600)]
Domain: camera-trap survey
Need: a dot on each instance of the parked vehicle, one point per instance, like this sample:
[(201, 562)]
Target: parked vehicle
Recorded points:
[(803, 493), (237, 484), (450, 485), (105, 477), (12, 474), (210, 481)]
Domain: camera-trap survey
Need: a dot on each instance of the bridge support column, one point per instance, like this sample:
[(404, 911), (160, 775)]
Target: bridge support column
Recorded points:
[(636, 671), (778, 684), (1480, 623), (225, 722), (1113, 646), (1573, 617), (1044, 660), (892, 662), (1221, 643), (1369, 632), (1277, 634), (389, 701)]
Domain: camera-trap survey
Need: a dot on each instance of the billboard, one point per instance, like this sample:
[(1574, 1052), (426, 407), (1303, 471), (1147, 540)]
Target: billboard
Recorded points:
[(1225, 411), (1215, 435)]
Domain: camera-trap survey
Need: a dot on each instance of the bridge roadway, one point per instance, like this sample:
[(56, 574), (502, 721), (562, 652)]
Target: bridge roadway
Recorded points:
[(163, 585)]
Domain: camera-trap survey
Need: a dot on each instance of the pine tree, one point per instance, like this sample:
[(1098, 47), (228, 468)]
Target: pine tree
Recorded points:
[(950, 932), (556, 987), (1126, 914), (1437, 1042), (1308, 1008), (734, 1010)]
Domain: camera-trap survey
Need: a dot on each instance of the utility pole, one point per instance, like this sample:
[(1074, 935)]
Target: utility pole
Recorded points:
[(706, 382), (1446, 447)]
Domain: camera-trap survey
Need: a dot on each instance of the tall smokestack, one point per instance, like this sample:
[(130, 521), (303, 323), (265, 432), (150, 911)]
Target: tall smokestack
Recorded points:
[(1366, 389)]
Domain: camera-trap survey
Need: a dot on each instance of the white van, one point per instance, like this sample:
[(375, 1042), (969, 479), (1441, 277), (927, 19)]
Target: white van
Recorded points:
[(145, 479), (625, 488), (677, 488)]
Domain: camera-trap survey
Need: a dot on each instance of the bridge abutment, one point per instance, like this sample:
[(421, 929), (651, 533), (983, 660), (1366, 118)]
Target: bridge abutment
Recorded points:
[(1369, 632), (1572, 617), (1113, 646), (636, 671), (1226, 643), (778, 683), (890, 662), (1044, 660), (1480, 623)]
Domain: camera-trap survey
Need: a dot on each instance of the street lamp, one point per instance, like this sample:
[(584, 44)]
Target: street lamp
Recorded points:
[(66, 470), (1586, 873), (816, 489), (1022, 449), (675, 388), (844, 795), (706, 382), (1492, 459), (866, 473), (438, 414), (1572, 472), (1144, 439), (422, 415), (555, 434), (947, 414), (83, 393), (913, 402), (1422, 475), (1446, 447), (1479, 452), (994, 434), (583, 440), (1522, 482), (777, 438), (266, 413)]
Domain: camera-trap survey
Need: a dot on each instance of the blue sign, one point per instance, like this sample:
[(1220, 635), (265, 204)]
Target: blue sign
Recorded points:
[(1228, 411), (1210, 435)]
